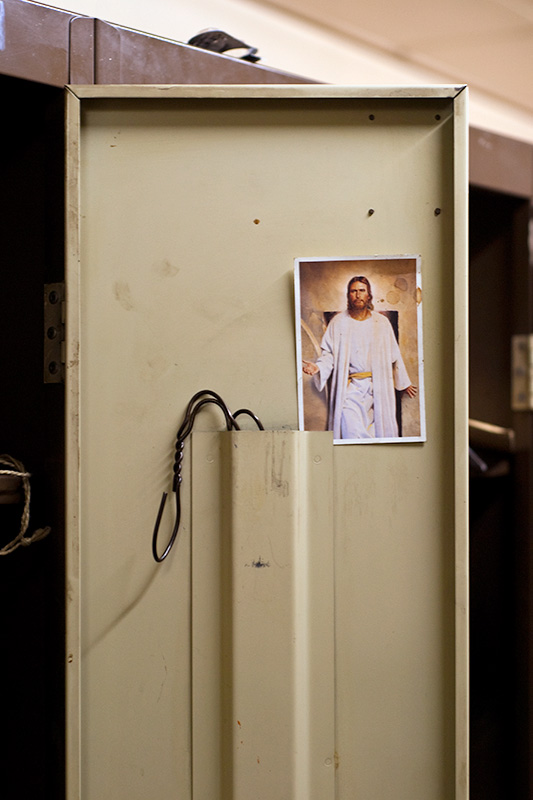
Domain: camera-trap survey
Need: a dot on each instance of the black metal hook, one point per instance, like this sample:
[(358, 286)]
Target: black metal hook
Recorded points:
[(202, 398), (168, 548)]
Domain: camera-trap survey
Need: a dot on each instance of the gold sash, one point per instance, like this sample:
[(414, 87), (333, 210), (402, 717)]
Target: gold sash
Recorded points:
[(359, 375)]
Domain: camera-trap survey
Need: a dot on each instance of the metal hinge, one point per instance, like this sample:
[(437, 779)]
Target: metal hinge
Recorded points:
[(54, 333), (522, 372)]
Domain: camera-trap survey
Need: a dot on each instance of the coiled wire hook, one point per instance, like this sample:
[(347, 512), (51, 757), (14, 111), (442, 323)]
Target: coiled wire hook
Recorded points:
[(194, 406)]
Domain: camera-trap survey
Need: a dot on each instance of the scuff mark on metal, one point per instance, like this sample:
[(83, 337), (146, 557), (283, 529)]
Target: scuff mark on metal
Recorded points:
[(164, 679), (259, 564), (122, 293), (278, 483)]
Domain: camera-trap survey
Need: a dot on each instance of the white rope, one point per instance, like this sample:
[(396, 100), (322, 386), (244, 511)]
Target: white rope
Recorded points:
[(17, 470)]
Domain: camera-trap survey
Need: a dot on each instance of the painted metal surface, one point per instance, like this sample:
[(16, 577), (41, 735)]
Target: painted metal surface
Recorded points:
[(186, 208), (47, 45), (263, 685), (501, 164)]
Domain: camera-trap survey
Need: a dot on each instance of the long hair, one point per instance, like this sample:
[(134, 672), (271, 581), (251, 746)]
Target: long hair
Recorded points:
[(362, 279)]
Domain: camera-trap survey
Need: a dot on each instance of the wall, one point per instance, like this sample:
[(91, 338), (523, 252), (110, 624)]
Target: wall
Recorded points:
[(288, 43)]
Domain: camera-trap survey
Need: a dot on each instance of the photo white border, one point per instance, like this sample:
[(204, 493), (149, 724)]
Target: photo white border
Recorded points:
[(420, 376)]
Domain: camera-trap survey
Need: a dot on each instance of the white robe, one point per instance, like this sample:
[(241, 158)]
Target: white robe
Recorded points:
[(387, 367)]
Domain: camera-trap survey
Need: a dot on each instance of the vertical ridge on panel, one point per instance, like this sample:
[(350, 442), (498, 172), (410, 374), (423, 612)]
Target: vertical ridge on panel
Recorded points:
[(208, 582), (263, 639), (314, 668)]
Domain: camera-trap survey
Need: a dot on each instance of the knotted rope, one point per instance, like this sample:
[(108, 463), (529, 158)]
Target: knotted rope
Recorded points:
[(16, 469)]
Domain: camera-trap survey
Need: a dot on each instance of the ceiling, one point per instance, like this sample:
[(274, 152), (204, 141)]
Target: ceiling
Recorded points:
[(485, 43)]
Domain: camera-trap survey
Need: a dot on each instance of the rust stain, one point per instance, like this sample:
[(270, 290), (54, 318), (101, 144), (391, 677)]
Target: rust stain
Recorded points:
[(75, 360), (418, 295)]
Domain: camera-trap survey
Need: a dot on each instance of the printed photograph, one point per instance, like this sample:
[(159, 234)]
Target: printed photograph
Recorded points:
[(359, 348)]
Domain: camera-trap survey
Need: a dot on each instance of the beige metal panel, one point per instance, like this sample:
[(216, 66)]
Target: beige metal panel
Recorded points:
[(72, 456), (247, 91), (193, 204), (461, 462), (263, 615)]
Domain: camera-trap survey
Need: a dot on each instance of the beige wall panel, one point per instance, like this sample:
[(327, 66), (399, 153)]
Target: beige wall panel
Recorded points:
[(191, 212)]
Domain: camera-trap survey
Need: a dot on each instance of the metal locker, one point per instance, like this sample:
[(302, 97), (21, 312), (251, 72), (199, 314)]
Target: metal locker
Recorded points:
[(186, 207)]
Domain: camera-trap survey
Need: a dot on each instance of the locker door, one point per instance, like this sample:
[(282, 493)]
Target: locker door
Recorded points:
[(186, 209)]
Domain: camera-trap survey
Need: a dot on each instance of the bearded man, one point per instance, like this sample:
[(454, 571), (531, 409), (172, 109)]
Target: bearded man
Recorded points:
[(360, 351)]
